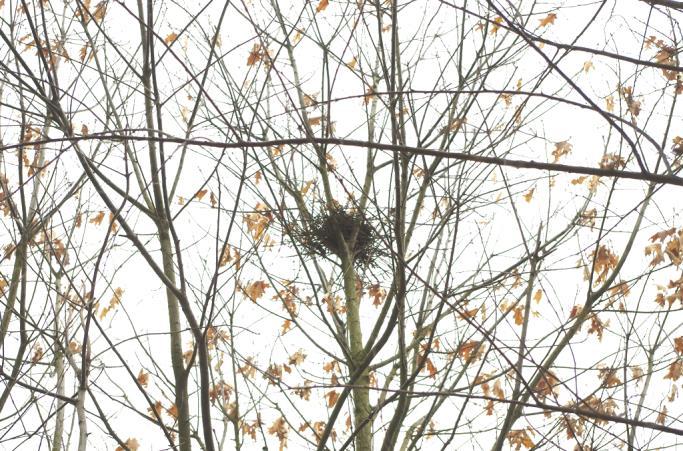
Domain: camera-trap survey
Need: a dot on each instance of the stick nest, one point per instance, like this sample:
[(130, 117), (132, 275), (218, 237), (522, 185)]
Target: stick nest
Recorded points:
[(323, 233)]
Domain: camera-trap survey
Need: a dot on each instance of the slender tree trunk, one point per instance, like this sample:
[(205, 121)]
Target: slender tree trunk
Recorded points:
[(163, 229), (361, 394), (18, 278), (19, 261), (181, 398), (59, 371), (82, 419)]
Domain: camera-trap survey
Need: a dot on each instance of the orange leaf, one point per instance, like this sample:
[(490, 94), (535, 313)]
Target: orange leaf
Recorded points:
[(248, 370), (187, 356), (637, 372), (303, 392), (314, 120), (226, 257), (254, 55), (258, 221), (604, 261), (309, 100), (155, 411), (465, 350), (170, 39), (562, 148), (100, 11), (132, 444), (468, 313), (661, 417), (173, 411), (201, 194), (322, 5), (663, 235), (538, 295), (255, 290), (597, 326), (112, 223), (520, 438), (496, 25), (37, 354), (113, 302), (306, 187), (330, 366), (579, 180), (297, 358), (498, 390), (675, 370), (97, 219), (369, 94), (431, 368), (609, 377), (548, 20), (673, 394), (677, 146), (519, 315), (529, 194), (280, 429), (332, 398), (378, 294), (678, 345), (143, 378)]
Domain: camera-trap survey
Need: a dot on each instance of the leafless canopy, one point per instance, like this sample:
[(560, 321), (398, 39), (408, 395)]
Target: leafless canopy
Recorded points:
[(340, 224)]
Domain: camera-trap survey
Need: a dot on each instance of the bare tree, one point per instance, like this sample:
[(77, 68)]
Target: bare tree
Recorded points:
[(340, 225)]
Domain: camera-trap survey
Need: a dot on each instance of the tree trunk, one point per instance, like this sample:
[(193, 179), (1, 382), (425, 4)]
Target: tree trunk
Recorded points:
[(181, 398), (361, 394)]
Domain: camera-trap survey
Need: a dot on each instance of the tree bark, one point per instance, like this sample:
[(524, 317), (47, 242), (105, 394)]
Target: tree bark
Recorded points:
[(361, 393)]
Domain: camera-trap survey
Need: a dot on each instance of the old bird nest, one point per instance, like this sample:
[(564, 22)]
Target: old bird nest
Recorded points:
[(323, 234)]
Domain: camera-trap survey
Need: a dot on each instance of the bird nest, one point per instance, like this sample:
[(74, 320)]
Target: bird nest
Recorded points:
[(324, 232)]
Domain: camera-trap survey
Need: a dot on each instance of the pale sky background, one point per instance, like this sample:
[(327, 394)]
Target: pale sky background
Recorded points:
[(142, 311)]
